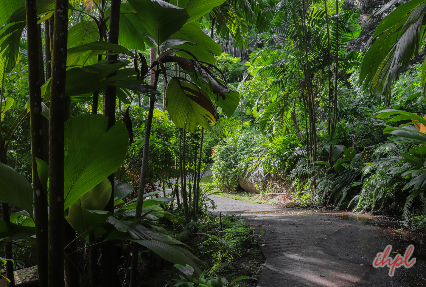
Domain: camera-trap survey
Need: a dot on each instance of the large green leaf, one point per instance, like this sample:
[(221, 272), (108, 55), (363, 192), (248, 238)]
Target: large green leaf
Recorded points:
[(122, 190), (160, 19), (15, 232), (188, 105), (10, 38), (5, 105), (82, 33), (15, 189), (81, 55), (131, 29), (226, 99), (169, 253), (400, 35), (83, 220), (8, 7), (87, 79), (197, 8), (91, 153), (191, 32), (98, 197), (204, 48)]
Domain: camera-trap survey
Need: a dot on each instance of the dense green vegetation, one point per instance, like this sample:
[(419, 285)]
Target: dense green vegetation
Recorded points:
[(112, 110)]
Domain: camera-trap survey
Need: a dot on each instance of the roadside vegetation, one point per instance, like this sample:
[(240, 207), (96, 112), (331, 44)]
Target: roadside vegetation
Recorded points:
[(111, 111)]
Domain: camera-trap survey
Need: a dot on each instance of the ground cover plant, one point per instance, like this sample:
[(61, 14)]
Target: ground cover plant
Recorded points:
[(111, 111)]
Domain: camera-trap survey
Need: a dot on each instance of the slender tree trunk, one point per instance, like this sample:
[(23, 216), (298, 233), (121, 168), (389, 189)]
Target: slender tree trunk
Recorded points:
[(56, 145), (72, 274), (184, 193), (212, 29), (48, 58), (197, 193), (101, 29), (336, 71), (330, 92), (47, 49), (40, 56), (37, 146), (108, 260), (144, 168)]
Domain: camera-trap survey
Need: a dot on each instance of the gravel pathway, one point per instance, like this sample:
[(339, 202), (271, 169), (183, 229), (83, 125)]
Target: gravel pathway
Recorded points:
[(308, 248)]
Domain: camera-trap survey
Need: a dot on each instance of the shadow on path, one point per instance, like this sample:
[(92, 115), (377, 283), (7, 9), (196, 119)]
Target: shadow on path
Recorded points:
[(307, 248)]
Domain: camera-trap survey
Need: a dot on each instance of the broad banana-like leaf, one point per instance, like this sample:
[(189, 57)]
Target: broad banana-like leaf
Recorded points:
[(5, 105), (188, 105), (131, 29), (204, 78), (87, 79), (83, 220), (197, 8), (160, 19), (191, 32), (98, 197), (224, 97), (91, 153), (15, 189), (83, 54), (204, 48), (80, 214), (82, 33)]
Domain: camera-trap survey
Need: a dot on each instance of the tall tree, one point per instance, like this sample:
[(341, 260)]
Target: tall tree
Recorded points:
[(56, 144), (144, 167), (109, 264), (37, 145)]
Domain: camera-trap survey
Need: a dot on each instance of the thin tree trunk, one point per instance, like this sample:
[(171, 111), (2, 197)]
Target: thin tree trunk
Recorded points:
[(101, 28), (37, 146), (47, 48), (294, 119), (48, 58), (108, 260), (336, 71), (330, 93), (310, 102), (56, 145), (144, 168), (40, 56), (197, 189), (184, 194), (72, 275)]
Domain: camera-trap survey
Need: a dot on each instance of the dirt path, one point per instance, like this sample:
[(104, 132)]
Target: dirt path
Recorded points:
[(308, 248)]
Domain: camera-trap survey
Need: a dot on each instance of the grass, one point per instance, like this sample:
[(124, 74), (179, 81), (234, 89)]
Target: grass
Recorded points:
[(206, 180), (252, 198)]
